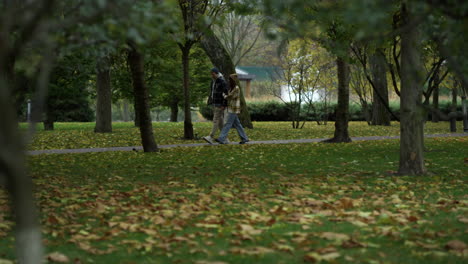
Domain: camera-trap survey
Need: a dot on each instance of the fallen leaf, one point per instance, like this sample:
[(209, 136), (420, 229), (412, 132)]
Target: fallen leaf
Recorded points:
[(456, 245), (249, 230), (334, 236), (352, 243), (330, 256), (312, 257), (57, 257), (210, 262)]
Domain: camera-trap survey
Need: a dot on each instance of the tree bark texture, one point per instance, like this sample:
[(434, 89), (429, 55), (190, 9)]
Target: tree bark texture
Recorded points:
[(465, 114), (380, 115), (412, 110), (453, 114), (188, 126), (104, 98), (48, 124), (342, 112), (221, 59), (135, 61), (435, 100), (174, 110), (435, 95), (19, 185), (136, 120), (125, 111)]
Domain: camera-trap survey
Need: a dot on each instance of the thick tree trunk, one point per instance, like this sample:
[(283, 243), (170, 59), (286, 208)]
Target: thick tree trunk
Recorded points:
[(135, 61), (125, 111), (136, 120), (188, 126), (174, 111), (453, 113), (435, 96), (465, 114), (380, 115), (13, 173), (48, 123), (104, 99), (221, 59), (412, 111), (435, 102), (342, 111)]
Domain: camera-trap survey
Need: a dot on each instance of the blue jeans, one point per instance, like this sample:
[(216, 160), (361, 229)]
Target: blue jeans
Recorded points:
[(232, 121)]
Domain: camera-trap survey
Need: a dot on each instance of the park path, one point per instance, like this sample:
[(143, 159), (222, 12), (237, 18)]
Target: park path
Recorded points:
[(290, 141)]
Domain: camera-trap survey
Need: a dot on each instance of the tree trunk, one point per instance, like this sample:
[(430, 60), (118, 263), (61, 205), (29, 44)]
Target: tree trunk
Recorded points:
[(188, 126), (453, 112), (13, 173), (380, 115), (435, 96), (125, 112), (48, 123), (136, 120), (342, 112), (465, 114), (412, 111), (104, 99), (135, 61), (221, 59), (174, 111), (435, 100)]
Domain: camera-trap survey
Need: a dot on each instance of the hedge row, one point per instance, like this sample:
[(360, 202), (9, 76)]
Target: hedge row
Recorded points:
[(277, 111)]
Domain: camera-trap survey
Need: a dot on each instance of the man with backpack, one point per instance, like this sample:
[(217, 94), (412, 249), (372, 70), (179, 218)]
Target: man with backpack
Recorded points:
[(219, 103)]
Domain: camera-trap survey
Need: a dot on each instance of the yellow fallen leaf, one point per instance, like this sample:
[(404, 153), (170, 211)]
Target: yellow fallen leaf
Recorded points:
[(456, 245), (249, 230), (210, 262), (312, 257), (330, 256), (57, 257), (334, 236)]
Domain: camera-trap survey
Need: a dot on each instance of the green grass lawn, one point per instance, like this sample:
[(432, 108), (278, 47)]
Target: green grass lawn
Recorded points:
[(252, 204), (81, 135)]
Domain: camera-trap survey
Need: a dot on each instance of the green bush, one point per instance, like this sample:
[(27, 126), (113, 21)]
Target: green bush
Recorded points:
[(278, 111), (269, 111)]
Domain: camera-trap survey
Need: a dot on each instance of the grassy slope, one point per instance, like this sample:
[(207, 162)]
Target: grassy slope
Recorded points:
[(252, 204), (81, 135)]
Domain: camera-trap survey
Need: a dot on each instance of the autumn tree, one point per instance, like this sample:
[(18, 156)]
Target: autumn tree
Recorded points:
[(67, 94), (373, 65), (239, 34), (26, 20), (221, 59), (305, 64), (193, 13), (104, 97), (136, 62), (323, 22), (412, 113)]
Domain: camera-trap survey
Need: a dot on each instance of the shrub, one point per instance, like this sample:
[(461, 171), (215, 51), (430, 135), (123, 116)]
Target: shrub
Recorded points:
[(269, 111), (278, 111)]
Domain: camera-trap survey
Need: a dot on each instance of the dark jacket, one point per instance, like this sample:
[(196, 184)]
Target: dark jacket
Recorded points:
[(216, 97)]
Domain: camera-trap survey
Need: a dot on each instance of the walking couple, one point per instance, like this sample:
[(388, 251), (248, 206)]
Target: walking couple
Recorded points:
[(222, 98)]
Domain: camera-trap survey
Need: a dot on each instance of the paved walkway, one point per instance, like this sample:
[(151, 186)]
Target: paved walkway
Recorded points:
[(291, 141)]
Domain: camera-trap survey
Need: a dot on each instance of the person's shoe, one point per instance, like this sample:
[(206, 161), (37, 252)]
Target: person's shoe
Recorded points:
[(244, 141), (208, 139), (219, 141)]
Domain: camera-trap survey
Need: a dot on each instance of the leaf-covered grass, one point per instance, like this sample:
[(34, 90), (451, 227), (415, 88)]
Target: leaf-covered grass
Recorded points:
[(252, 204), (81, 135)]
